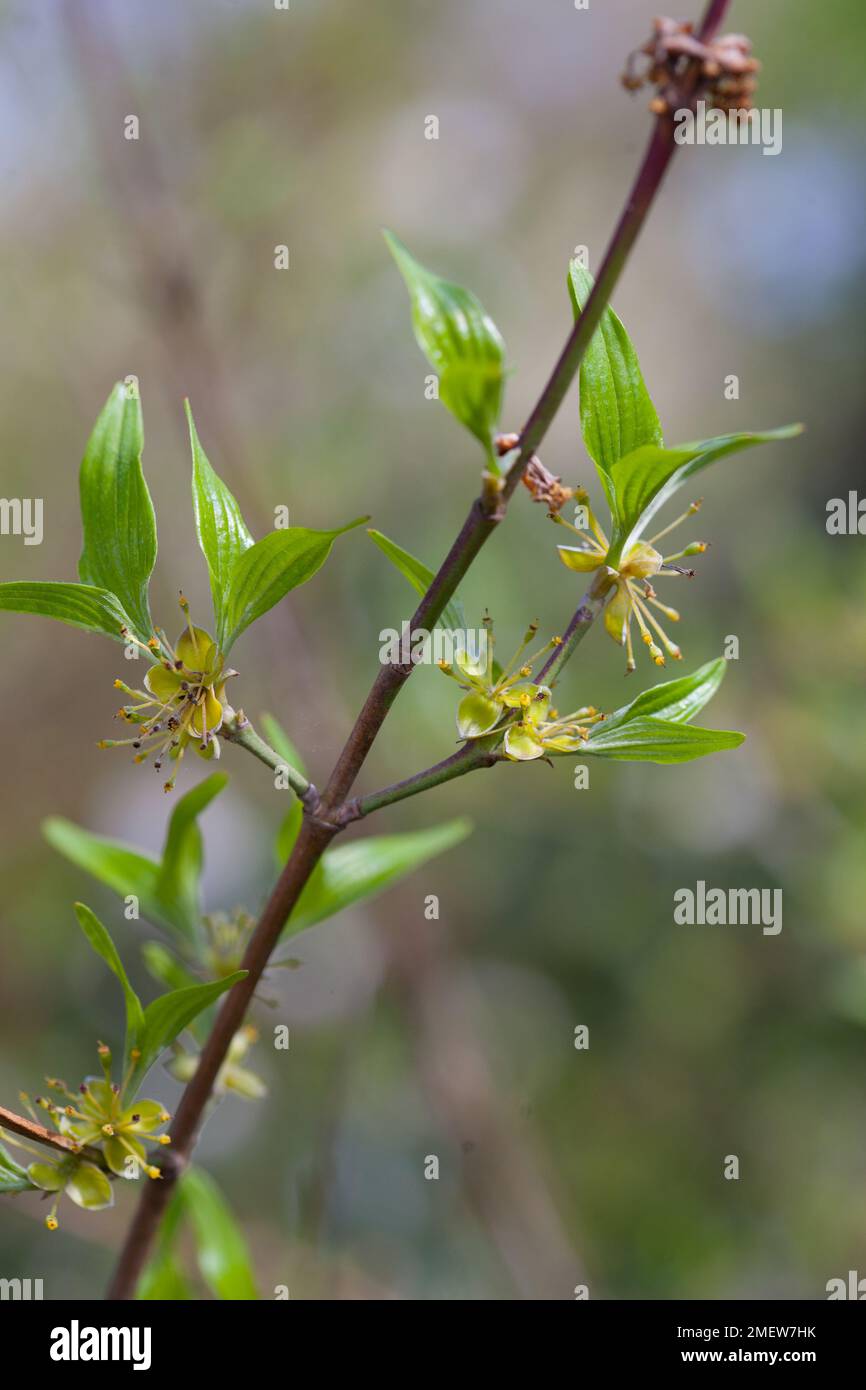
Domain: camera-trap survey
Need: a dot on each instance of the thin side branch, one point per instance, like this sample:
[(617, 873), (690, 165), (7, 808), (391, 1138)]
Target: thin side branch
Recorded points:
[(469, 758), (239, 730), (40, 1134)]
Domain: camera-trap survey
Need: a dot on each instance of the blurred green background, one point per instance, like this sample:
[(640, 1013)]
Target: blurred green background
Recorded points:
[(455, 1038)]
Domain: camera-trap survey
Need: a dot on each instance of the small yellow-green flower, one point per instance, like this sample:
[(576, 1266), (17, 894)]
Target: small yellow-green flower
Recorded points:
[(634, 594), (96, 1118), (541, 730), (231, 1076), (183, 701), (491, 692)]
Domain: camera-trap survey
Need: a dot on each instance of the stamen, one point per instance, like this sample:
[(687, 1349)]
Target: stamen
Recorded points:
[(695, 507)]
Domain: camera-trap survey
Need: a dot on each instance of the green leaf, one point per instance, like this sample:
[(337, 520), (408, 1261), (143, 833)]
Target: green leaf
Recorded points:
[(167, 889), (453, 616), (79, 605), (222, 1252), (164, 1280), (116, 511), (659, 741), (281, 743), (268, 570), (677, 701), (222, 531), (165, 967), (616, 413), (166, 1018), (103, 945), (177, 887), (123, 869), (461, 343), (645, 479), (163, 1277), (13, 1178), (358, 870)]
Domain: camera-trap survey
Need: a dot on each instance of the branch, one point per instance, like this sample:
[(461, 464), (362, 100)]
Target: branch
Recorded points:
[(319, 829), (467, 759), (585, 614), (239, 730), (31, 1129)]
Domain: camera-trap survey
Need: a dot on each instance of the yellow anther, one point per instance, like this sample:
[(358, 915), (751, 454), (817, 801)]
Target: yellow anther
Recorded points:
[(153, 1172), (109, 1130), (164, 1139), (51, 1223)]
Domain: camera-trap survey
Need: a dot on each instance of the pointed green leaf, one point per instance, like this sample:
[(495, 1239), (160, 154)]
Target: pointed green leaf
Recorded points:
[(645, 479), (659, 741), (123, 869), (461, 343), (268, 570), (163, 1280), (79, 605), (167, 1017), (222, 1252), (116, 511), (163, 1277), (165, 967), (222, 531), (13, 1178), (358, 870), (616, 413), (418, 575), (168, 889), (103, 945), (678, 700), (177, 887)]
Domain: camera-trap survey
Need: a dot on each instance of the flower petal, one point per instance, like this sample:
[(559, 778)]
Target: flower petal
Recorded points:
[(475, 661), (617, 615), (563, 743), (243, 1082), (537, 709), (163, 684), (213, 712), (149, 1112), (46, 1176), (574, 558), (89, 1187), (195, 649), (477, 715), (118, 1156), (522, 743)]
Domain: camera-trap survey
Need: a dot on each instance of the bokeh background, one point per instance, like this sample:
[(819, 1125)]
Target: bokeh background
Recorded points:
[(455, 1038)]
